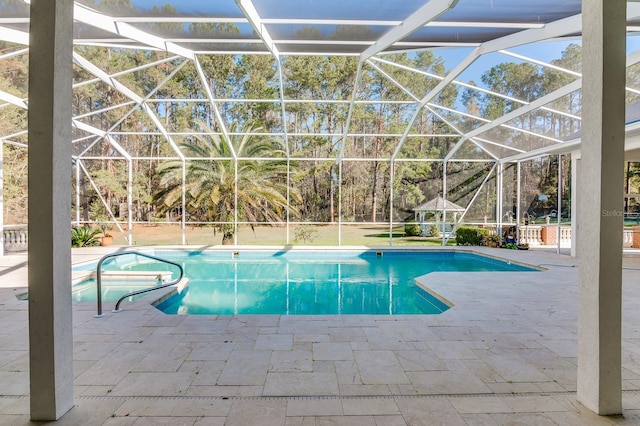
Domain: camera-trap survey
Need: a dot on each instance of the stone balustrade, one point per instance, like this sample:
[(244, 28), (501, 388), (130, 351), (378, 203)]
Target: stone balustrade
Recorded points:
[(15, 238)]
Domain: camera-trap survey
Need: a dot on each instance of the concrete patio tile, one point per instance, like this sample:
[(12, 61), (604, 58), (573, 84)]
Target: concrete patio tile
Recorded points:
[(120, 421), (347, 334), (250, 391), (275, 342), (211, 351), (169, 421), (563, 348), (332, 351), (402, 389), (364, 390), (92, 350), (92, 390), (347, 372), (303, 384), (396, 420), (522, 419), (455, 333), (445, 349), (532, 404), (295, 326), (207, 374), (210, 421), (345, 421), (482, 370), (369, 406), (506, 387), (245, 368), (360, 346), (154, 384), (380, 341), (211, 391), (511, 367), (90, 412), (479, 405), (571, 419), (324, 366), (164, 360), (429, 411), (14, 383), (446, 382), (476, 419), (253, 412), (202, 408), (310, 338), (79, 367), (14, 406), (380, 367), (314, 407), (291, 361), (146, 407), (419, 360)]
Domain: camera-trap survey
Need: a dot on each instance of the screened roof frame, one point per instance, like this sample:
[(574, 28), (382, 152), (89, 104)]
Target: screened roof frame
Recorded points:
[(430, 14)]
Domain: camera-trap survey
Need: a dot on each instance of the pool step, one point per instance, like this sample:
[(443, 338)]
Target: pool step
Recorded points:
[(79, 276)]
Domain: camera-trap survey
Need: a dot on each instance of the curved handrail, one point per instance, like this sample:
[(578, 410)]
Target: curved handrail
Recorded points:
[(133, 293)]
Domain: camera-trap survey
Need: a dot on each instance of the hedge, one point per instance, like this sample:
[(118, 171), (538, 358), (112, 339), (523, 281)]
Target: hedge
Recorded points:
[(470, 236)]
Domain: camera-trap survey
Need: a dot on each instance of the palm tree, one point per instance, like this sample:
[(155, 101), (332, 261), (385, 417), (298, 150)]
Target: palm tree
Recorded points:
[(211, 182)]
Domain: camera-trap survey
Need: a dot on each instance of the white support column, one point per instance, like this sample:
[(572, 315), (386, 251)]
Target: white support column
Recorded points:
[(575, 179), (391, 189), (1, 198), (499, 198), (183, 203), (130, 201), (50, 322), (444, 203), (77, 173), (600, 205), (559, 205), (340, 204), (518, 200)]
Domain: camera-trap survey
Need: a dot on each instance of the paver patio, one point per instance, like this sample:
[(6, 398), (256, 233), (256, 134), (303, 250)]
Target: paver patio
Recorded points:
[(506, 352)]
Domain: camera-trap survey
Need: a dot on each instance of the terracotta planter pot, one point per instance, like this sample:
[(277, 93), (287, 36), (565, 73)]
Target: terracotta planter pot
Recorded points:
[(106, 241)]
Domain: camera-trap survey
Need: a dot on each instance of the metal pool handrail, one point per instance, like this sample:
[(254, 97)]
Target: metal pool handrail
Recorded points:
[(133, 293)]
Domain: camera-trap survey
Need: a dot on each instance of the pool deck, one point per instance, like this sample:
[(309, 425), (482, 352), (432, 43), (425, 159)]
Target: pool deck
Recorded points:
[(506, 353)]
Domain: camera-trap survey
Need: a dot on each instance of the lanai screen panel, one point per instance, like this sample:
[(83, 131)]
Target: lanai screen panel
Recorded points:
[(352, 87)]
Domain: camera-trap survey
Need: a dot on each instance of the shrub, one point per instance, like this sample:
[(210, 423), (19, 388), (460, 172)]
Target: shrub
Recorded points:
[(412, 228), (305, 233), (434, 231), (470, 236), (84, 236)]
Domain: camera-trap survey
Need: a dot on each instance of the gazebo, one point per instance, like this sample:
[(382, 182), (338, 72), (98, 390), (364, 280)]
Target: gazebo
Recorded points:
[(438, 206)]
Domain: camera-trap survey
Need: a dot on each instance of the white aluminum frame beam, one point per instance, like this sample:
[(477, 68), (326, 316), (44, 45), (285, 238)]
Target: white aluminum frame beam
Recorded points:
[(249, 10), (415, 21), (214, 106), (90, 67), (563, 91), (111, 25)]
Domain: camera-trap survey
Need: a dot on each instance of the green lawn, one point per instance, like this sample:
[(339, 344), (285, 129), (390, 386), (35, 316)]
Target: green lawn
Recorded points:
[(325, 235)]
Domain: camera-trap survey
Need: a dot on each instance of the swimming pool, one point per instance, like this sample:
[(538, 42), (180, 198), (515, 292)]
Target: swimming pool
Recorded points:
[(313, 283)]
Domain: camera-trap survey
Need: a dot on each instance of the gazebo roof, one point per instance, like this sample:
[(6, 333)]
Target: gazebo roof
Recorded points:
[(438, 204)]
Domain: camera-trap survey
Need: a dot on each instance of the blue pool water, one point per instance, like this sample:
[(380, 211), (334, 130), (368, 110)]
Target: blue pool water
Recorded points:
[(320, 283)]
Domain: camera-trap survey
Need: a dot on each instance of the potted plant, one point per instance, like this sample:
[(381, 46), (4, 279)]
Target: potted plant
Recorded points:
[(492, 240), (107, 238), (84, 236)]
